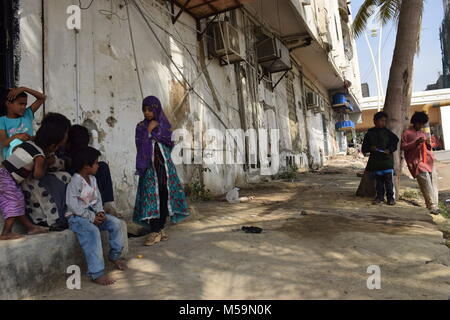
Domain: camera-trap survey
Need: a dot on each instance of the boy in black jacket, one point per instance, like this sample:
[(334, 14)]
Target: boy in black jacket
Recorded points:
[(381, 143)]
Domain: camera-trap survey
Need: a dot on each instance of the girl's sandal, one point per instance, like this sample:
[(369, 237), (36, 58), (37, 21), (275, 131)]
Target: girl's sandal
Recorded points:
[(152, 239), (164, 236)]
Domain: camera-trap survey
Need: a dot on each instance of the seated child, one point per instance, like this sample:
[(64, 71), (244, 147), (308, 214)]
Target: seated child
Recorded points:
[(78, 138), (46, 198), (86, 216), (16, 120), (29, 158)]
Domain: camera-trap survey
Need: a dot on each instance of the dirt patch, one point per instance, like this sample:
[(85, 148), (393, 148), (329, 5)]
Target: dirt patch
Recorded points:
[(327, 227)]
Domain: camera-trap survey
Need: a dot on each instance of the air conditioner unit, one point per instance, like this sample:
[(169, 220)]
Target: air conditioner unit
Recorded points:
[(224, 41), (273, 55), (320, 106), (312, 100)]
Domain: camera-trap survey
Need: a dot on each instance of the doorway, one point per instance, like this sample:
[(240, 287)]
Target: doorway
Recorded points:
[(8, 41)]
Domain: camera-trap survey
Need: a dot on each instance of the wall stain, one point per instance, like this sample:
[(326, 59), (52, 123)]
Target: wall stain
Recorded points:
[(179, 108), (111, 121)]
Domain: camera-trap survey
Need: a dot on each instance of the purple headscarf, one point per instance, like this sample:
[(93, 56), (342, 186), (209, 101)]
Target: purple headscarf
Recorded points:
[(161, 133)]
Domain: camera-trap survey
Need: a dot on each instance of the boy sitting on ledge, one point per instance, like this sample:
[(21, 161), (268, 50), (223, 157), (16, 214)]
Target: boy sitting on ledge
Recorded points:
[(87, 218)]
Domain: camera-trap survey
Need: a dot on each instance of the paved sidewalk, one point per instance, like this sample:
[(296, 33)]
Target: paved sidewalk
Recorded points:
[(318, 242)]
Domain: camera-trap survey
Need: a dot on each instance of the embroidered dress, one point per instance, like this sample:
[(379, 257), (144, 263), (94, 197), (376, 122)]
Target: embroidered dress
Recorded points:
[(158, 176), (147, 198)]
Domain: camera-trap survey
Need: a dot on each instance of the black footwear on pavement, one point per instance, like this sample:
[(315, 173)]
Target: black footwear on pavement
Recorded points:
[(435, 212), (59, 226), (391, 202)]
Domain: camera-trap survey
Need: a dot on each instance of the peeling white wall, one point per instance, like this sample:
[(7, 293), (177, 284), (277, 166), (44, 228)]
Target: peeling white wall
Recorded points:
[(110, 97)]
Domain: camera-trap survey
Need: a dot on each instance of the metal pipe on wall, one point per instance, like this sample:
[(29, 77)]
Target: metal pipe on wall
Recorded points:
[(43, 39), (77, 76)]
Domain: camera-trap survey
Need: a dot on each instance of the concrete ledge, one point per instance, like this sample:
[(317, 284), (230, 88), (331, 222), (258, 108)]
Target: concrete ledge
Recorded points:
[(37, 264)]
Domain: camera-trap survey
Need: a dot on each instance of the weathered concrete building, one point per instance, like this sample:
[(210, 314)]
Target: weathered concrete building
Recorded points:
[(214, 64), (445, 44)]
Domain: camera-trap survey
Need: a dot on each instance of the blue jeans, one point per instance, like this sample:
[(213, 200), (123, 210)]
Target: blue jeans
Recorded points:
[(88, 235)]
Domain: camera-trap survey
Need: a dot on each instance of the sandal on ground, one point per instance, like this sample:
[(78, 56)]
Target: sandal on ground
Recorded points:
[(164, 236), (153, 238)]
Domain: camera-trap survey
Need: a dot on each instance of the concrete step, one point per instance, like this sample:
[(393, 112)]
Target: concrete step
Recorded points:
[(37, 264)]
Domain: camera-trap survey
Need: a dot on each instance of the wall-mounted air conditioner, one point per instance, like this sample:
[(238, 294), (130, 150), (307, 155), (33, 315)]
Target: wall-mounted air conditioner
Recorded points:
[(273, 55), (224, 41), (312, 100), (320, 107)]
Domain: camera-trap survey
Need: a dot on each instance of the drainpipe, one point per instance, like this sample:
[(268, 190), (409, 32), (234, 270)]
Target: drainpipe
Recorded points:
[(43, 51), (77, 75)]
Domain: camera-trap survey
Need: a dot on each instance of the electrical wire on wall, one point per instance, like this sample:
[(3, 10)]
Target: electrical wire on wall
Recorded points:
[(187, 85), (85, 8), (186, 82), (134, 51), (193, 61), (184, 44)]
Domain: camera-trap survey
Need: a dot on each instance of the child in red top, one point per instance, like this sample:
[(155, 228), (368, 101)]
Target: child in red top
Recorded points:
[(420, 160)]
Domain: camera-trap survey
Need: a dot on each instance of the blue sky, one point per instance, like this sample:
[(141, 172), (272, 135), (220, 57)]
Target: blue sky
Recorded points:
[(427, 64)]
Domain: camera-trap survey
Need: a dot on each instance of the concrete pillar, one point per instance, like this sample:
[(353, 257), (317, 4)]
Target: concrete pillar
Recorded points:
[(445, 120)]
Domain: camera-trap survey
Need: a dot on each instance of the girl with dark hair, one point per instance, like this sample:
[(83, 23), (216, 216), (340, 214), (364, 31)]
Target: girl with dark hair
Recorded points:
[(16, 120), (46, 197), (28, 159), (160, 194)]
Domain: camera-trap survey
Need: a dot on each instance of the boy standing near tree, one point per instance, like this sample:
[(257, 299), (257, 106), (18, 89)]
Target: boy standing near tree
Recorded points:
[(381, 143), (420, 160)]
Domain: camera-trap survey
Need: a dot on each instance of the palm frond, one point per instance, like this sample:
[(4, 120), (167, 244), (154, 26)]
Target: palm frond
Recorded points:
[(389, 10), (366, 10)]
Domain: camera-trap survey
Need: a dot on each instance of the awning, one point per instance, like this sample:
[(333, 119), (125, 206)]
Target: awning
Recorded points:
[(200, 9), (282, 17)]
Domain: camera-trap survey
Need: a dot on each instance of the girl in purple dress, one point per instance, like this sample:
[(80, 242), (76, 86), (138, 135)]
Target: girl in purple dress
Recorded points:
[(160, 194)]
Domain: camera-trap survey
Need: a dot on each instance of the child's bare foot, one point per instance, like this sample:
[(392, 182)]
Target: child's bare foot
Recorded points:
[(121, 264), (104, 281), (11, 236), (37, 230)]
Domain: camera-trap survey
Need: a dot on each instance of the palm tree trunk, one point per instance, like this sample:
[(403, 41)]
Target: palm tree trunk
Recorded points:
[(398, 96)]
